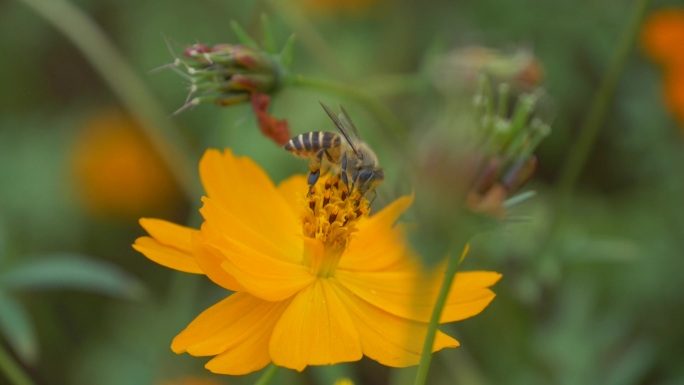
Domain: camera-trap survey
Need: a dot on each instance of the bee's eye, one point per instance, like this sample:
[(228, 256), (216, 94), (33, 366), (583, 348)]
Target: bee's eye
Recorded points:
[(365, 175)]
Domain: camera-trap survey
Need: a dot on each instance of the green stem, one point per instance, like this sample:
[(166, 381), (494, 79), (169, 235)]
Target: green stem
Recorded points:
[(269, 374), (426, 356), (599, 108), (121, 77), (395, 127), (13, 371)]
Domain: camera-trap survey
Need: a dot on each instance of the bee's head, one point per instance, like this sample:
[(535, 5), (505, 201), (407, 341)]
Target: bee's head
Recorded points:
[(368, 178)]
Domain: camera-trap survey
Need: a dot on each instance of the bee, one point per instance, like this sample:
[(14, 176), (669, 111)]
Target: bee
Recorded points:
[(343, 154)]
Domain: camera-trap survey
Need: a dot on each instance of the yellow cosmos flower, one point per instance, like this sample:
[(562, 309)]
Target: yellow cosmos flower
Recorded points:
[(317, 280)]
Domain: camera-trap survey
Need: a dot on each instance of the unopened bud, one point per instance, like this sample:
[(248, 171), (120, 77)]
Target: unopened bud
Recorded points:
[(228, 74)]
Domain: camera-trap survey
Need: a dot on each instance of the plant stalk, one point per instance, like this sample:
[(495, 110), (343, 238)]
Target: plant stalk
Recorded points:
[(269, 374), (13, 371), (426, 356)]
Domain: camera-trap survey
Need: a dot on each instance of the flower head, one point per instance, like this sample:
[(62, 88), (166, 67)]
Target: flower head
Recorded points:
[(317, 280)]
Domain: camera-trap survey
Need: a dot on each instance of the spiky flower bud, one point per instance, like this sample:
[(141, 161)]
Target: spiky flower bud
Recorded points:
[(227, 74), (509, 140)]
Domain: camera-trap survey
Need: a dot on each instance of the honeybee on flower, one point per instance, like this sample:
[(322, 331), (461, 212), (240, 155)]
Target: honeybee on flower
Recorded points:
[(345, 154)]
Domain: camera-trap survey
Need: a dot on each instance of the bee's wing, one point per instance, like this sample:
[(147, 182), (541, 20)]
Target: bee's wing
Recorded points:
[(345, 126), (347, 123)]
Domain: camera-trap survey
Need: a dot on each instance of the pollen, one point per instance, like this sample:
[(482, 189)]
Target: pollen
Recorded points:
[(332, 212)]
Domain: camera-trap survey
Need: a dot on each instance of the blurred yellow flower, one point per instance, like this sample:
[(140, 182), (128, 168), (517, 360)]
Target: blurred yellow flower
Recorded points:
[(663, 38), (116, 171), (317, 280), (344, 381)]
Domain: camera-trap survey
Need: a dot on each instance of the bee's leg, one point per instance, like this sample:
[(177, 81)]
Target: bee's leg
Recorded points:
[(315, 169), (313, 178), (343, 173), (375, 195)]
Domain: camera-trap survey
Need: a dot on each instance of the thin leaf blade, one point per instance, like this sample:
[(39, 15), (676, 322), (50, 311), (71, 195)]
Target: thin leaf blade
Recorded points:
[(72, 271), (17, 329)]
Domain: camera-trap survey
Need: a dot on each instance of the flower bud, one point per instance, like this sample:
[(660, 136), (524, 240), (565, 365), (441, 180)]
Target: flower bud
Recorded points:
[(457, 71), (227, 74), (468, 165)]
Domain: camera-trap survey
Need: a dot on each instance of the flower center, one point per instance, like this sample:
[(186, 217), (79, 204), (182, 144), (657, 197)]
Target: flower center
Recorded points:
[(330, 216)]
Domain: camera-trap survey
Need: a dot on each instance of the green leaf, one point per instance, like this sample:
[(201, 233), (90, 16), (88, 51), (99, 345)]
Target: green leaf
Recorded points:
[(17, 329), (268, 39), (72, 271), (287, 53), (242, 35)]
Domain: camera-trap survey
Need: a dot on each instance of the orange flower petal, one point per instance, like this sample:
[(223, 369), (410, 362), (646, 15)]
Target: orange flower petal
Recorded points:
[(386, 338), (170, 245), (412, 295), (386, 217), (261, 275), (377, 245), (225, 222), (244, 189), (469, 295), (315, 330), (388, 251), (237, 328), (209, 260), (293, 190)]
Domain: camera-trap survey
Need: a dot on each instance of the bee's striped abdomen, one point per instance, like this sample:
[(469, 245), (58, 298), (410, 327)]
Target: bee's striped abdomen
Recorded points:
[(330, 139), (309, 143)]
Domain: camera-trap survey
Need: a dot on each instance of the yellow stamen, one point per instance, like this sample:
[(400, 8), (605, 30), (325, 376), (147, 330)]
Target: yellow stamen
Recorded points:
[(330, 215)]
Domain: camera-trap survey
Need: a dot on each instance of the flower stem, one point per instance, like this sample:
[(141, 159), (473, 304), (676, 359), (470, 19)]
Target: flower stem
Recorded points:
[(126, 84), (14, 372), (396, 128), (426, 355), (599, 107), (268, 375)]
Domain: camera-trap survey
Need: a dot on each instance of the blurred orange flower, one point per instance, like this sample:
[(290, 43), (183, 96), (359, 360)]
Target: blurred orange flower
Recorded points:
[(663, 40), (117, 173), (317, 280), (663, 36), (337, 6)]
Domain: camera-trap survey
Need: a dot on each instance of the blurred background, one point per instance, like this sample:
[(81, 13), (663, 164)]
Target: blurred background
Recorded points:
[(592, 290)]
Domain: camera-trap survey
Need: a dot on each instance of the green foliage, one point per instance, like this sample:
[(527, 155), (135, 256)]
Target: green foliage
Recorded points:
[(593, 298), (71, 271)]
